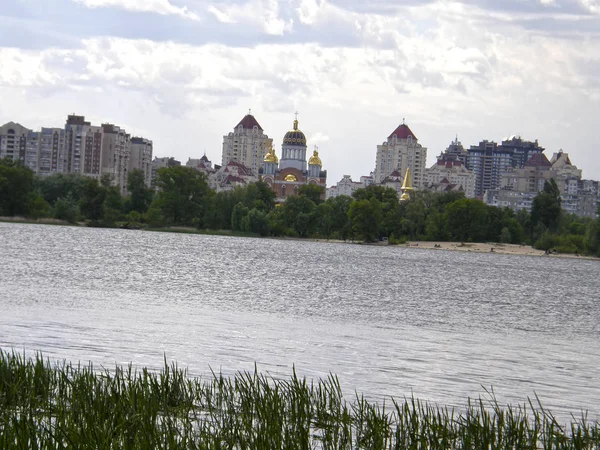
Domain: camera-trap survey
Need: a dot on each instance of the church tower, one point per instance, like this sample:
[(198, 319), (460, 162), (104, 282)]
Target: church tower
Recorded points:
[(293, 149)]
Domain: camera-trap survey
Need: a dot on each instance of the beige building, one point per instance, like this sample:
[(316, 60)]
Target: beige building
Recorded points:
[(450, 173), (141, 157), (347, 187), (13, 141), (247, 144), (399, 152), (539, 169)]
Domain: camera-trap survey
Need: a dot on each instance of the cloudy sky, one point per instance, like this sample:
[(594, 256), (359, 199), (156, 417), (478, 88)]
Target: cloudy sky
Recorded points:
[(184, 72)]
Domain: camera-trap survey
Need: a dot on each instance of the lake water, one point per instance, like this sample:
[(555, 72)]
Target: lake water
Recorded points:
[(389, 321)]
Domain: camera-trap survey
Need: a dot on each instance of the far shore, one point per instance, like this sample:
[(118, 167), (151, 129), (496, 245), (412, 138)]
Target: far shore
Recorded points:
[(492, 247), (475, 247)]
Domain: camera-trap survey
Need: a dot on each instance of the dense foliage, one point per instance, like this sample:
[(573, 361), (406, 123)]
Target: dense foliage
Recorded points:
[(56, 406), (183, 198)]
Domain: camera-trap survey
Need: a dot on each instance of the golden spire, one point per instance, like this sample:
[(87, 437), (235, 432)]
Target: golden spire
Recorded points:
[(407, 186), (314, 159), (296, 122)]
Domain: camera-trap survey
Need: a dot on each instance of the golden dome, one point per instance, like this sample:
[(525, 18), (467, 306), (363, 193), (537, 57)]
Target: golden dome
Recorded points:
[(271, 157), (315, 160), (290, 177), (295, 136)]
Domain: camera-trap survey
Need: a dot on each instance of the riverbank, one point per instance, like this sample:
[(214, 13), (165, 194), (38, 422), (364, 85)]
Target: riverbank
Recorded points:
[(477, 247), (493, 247), (58, 404)]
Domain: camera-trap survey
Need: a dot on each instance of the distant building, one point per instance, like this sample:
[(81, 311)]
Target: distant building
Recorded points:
[(449, 173), (285, 177), (399, 152), (141, 157), (79, 148), (520, 186), (247, 144), (231, 175), (347, 187), (490, 161), (13, 141)]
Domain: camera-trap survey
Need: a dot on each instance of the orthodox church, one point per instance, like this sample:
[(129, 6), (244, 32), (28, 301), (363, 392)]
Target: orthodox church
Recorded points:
[(287, 175)]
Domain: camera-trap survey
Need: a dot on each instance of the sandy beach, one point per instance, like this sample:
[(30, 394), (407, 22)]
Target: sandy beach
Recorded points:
[(490, 247)]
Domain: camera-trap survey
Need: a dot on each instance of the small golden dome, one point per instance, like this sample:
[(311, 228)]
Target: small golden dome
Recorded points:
[(271, 157), (315, 160), (290, 177)]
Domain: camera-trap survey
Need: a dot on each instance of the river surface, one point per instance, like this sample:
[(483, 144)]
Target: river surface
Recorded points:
[(388, 321)]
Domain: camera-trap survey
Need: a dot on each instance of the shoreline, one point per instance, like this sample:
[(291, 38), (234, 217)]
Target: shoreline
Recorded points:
[(475, 247), (498, 248)]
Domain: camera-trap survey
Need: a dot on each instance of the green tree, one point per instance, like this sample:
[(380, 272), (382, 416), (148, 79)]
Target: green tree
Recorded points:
[(60, 185), (65, 208), (237, 217), (182, 195), (546, 208), (257, 222), (467, 220), (340, 222), (16, 188), (140, 196), (292, 209), (313, 192), (365, 216), (92, 199), (113, 201)]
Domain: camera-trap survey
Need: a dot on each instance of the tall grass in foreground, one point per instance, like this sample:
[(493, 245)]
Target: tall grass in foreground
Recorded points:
[(47, 405)]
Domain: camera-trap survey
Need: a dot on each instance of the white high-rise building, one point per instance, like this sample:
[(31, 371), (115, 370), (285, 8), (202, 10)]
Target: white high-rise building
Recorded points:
[(247, 144), (399, 152)]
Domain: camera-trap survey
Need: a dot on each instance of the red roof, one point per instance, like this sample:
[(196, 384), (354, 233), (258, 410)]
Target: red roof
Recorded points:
[(249, 122), (538, 160), (402, 132)]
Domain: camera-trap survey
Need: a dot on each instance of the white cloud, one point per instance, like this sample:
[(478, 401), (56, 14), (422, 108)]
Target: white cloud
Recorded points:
[(164, 7), (262, 14), (447, 67)]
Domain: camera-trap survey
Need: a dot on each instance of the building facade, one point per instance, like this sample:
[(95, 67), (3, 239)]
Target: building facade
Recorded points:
[(79, 148), (347, 187), (399, 152), (141, 157), (287, 175), (247, 144)]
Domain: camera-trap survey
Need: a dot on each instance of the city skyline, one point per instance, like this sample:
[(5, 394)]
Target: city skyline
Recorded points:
[(184, 72)]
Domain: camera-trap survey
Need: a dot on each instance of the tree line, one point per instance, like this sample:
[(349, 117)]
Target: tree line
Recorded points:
[(183, 198)]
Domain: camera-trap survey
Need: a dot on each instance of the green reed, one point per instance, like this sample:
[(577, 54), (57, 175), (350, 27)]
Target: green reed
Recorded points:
[(48, 405)]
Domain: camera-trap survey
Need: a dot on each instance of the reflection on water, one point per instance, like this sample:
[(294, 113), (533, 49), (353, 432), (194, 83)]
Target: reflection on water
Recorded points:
[(386, 320)]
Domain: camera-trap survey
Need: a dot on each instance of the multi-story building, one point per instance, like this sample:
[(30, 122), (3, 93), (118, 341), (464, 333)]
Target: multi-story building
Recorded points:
[(13, 141), (51, 151), (399, 152), (520, 186), (247, 144), (450, 174), (488, 162), (521, 150), (140, 157), (115, 154), (231, 175), (347, 187)]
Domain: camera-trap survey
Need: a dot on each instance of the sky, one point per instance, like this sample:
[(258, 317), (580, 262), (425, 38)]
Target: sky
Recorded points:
[(184, 72)]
